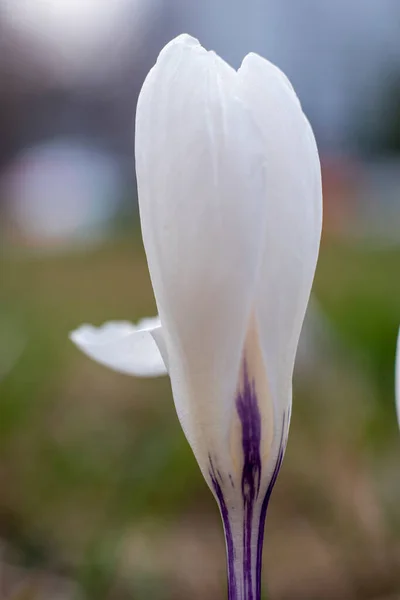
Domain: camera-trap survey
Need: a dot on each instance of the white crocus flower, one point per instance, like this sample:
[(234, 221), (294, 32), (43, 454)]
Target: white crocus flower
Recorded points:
[(231, 207)]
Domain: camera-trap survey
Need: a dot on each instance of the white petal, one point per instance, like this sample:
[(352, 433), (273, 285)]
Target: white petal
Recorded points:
[(397, 378), (124, 347), (294, 217), (199, 161)]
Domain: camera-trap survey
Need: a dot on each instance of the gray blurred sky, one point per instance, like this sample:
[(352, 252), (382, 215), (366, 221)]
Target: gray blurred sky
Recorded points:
[(341, 56)]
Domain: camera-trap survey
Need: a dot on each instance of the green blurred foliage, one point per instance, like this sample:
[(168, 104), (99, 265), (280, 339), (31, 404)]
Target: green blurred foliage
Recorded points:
[(359, 289)]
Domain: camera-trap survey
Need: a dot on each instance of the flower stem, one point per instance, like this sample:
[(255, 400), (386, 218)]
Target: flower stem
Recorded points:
[(244, 545), (244, 537)]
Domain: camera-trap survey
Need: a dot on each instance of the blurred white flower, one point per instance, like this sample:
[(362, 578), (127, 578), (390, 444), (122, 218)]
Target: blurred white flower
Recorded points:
[(62, 192), (397, 378), (231, 207)]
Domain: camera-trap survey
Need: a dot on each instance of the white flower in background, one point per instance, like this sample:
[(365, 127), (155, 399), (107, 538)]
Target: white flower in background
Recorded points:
[(397, 377), (231, 207)]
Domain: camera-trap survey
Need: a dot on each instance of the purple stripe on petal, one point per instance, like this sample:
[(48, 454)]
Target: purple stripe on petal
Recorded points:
[(249, 415), (244, 579)]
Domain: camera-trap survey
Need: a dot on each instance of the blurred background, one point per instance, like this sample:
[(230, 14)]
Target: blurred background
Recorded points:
[(100, 496)]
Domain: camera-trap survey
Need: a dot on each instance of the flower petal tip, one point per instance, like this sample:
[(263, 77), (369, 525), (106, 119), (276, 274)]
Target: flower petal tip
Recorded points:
[(265, 68), (184, 40)]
